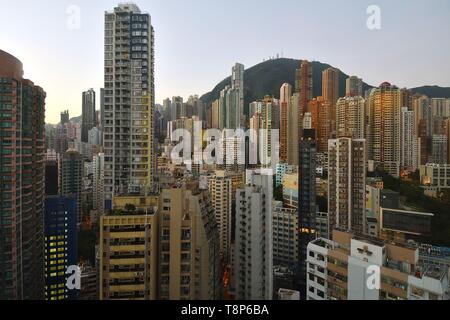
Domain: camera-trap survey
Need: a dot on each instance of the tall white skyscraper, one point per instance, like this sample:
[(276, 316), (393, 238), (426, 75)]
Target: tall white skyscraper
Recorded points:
[(129, 101), (253, 241)]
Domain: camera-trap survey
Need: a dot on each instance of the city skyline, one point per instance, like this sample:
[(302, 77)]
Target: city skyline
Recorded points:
[(63, 50), (338, 190)]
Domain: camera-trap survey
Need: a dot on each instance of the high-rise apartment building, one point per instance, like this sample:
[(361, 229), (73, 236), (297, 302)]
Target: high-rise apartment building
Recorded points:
[(221, 190), (285, 236), (60, 221), (285, 98), (167, 109), (129, 101), (189, 260), (178, 108), (266, 126), (237, 82), (88, 120), (423, 112), (164, 247), (304, 88), (234, 113), (350, 117), (440, 107), (215, 114), (253, 258), (294, 117), (385, 126), (319, 110), (330, 93), (71, 178), (354, 87), (231, 101), (65, 117), (347, 184), (406, 98), (307, 201), (409, 149), (128, 256), (303, 81), (22, 161), (51, 173), (439, 147)]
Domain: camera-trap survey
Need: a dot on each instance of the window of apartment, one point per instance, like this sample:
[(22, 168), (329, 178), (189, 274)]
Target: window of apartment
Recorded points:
[(185, 280), (185, 234), (166, 234)]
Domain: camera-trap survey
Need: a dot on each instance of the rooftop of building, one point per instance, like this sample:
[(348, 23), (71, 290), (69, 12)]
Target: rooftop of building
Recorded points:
[(10, 66), (127, 7), (421, 269), (324, 243)]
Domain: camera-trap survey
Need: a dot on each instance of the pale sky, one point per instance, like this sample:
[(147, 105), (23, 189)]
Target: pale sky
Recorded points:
[(198, 41)]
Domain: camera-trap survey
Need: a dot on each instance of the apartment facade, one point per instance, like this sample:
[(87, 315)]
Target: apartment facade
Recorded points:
[(88, 114), (354, 86), (350, 117), (221, 190), (128, 101), (410, 148), (307, 201), (71, 178), (347, 183), (439, 149), (128, 257), (60, 225), (285, 97), (285, 236), (253, 249), (330, 93), (189, 260), (385, 126), (22, 159)]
